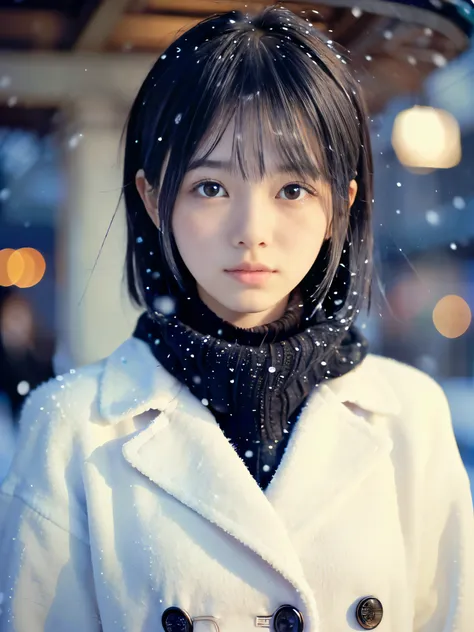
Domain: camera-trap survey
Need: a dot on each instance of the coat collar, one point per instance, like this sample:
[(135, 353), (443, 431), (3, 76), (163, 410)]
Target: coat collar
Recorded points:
[(185, 453), (133, 381)]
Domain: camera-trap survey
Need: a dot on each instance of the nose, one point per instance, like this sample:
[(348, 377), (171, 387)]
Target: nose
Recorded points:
[(252, 223)]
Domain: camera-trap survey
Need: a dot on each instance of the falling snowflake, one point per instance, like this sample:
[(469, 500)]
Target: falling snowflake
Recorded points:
[(459, 203), (164, 305), (74, 141), (439, 60), (427, 363), (432, 217), (453, 246), (23, 387)]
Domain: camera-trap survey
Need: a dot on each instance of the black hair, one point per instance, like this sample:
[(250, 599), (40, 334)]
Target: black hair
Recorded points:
[(276, 77)]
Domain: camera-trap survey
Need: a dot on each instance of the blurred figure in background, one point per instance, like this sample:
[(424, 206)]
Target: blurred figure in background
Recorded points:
[(25, 362), (25, 351)]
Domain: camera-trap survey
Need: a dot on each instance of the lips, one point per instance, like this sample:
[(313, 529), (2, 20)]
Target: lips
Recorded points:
[(250, 267), (256, 278)]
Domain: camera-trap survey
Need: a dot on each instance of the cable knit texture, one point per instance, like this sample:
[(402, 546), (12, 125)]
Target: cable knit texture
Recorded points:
[(255, 381)]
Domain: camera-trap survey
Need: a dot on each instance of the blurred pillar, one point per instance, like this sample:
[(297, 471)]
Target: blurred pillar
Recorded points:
[(95, 314)]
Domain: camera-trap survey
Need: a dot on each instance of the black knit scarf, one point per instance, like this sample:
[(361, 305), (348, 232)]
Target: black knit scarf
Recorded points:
[(255, 381)]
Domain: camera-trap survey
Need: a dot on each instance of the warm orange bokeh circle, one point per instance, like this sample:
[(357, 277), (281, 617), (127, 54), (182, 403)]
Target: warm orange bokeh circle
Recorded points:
[(24, 267), (452, 316)]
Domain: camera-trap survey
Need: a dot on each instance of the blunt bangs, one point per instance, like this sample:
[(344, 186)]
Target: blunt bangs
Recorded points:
[(279, 84)]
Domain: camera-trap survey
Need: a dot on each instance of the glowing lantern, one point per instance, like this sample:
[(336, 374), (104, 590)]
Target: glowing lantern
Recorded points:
[(426, 138)]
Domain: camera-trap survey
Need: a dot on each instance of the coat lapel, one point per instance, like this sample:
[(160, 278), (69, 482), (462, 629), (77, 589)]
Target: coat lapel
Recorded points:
[(185, 453), (332, 451)]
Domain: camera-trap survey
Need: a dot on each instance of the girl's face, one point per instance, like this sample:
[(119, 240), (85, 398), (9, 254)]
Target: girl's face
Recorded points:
[(221, 221)]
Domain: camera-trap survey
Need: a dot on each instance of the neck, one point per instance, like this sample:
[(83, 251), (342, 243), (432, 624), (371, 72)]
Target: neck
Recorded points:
[(244, 320), (195, 313)]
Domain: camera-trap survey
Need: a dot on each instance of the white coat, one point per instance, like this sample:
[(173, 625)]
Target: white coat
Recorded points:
[(112, 513)]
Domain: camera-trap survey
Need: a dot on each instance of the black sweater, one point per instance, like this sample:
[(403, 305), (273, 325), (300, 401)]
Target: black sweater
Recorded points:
[(254, 381)]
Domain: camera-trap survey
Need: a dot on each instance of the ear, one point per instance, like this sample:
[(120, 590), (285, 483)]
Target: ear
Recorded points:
[(148, 195), (352, 195), (352, 192)]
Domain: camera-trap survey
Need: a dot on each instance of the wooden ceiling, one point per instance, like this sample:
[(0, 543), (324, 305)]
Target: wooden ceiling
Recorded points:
[(393, 45)]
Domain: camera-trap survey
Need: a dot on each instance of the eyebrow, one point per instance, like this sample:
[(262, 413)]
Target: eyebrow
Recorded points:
[(226, 165), (210, 164)]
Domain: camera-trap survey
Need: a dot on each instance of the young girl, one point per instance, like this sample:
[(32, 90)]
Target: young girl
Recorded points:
[(241, 462)]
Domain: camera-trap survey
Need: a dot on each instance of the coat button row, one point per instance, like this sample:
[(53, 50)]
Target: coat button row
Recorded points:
[(285, 619), (369, 613)]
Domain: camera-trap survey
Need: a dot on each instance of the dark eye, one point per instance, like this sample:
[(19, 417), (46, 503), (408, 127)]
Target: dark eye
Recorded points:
[(293, 191), (210, 189)]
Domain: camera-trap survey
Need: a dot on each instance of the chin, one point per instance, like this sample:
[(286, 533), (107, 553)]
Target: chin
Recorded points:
[(228, 302), (249, 304)]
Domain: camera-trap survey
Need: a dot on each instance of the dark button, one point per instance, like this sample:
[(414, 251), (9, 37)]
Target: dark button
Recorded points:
[(288, 619), (176, 620), (369, 613)]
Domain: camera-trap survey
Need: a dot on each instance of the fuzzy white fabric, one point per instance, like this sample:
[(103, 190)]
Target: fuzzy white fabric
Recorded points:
[(112, 512)]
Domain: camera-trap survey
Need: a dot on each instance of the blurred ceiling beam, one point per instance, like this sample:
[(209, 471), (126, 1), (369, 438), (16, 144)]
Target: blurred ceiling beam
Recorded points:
[(149, 32), (407, 13), (41, 29), (52, 79), (101, 25)]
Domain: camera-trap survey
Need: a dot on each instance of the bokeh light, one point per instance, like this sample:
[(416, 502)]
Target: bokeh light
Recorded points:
[(452, 316), (24, 267), (427, 138)]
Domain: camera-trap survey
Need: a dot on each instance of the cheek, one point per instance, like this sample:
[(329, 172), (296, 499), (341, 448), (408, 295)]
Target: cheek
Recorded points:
[(304, 236), (193, 235)]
